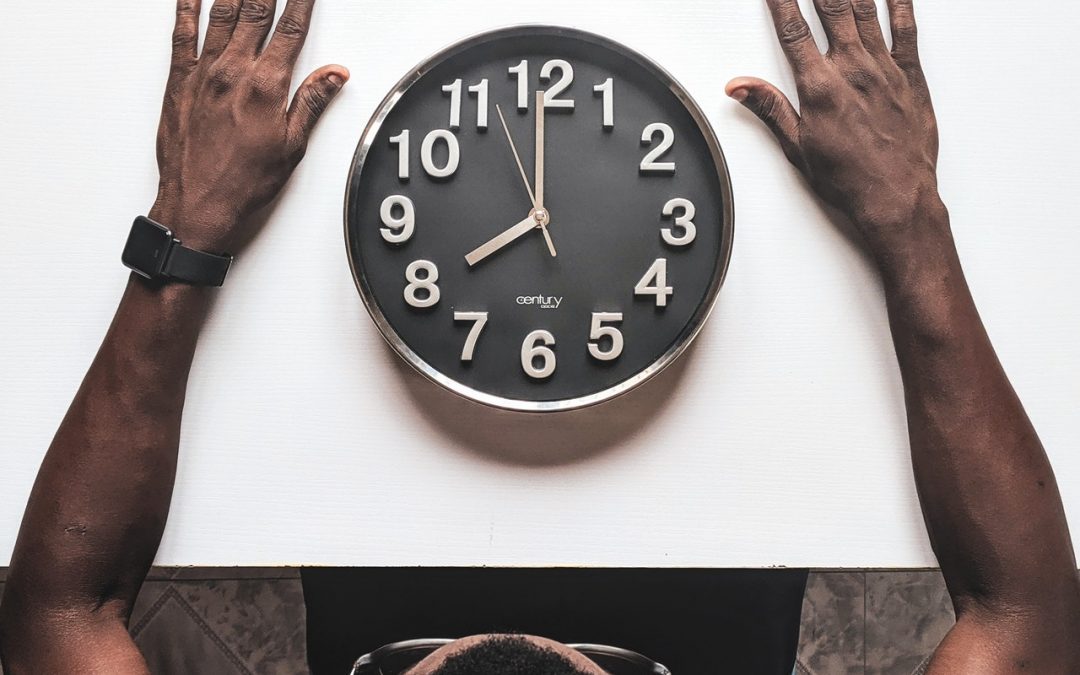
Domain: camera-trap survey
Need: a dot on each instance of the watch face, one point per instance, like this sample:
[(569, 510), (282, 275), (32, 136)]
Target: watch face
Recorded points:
[(560, 280), (146, 248)]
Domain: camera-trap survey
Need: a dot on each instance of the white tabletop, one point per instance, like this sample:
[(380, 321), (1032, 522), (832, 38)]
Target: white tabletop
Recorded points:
[(778, 440)]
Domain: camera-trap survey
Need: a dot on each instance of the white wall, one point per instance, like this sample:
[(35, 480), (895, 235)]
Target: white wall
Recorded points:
[(779, 440)]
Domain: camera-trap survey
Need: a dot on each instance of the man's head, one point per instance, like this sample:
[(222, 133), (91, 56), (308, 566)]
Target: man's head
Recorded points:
[(506, 655)]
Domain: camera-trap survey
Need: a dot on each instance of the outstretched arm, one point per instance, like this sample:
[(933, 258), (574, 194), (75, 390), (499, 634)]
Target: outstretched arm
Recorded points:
[(866, 140), (228, 141)]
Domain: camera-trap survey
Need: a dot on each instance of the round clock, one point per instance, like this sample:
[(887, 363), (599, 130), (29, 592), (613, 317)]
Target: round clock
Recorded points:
[(539, 218)]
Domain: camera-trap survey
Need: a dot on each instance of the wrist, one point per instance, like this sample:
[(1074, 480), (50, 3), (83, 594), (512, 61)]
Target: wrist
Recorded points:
[(165, 308), (168, 296), (913, 246), (203, 229)]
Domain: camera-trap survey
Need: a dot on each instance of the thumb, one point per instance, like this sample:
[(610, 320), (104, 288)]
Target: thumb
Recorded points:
[(311, 100), (773, 108)]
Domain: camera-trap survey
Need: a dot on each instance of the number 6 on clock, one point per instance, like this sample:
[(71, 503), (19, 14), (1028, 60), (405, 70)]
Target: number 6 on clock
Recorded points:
[(531, 350)]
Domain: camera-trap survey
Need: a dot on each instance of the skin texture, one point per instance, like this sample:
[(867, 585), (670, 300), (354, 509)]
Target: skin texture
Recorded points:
[(865, 139), (229, 138), (432, 663), (228, 141)]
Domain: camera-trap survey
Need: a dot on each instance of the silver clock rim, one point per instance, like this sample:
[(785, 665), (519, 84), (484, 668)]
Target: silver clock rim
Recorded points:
[(689, 333)]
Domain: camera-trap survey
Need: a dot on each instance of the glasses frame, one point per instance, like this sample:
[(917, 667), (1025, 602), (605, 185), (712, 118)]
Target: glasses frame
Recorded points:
[(372, 660)]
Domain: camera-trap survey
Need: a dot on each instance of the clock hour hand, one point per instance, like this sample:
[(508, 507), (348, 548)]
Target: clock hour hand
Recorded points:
[(501, 241)]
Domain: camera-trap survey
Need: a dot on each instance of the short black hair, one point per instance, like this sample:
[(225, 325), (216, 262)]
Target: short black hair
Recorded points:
[(507, 655)]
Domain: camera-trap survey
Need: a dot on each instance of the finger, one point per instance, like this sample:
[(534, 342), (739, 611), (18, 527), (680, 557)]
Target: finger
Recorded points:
[(220, 28), (795, 37), (290, 33), (185, 37), (311, 101), (773, 108), (866, 19), (839, 23), (252, 26), (905, 34)]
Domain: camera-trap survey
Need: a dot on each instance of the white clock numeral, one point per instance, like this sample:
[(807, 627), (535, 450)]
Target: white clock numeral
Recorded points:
[(598, 331), (481, 91), (521, 72), (427, 153), (655, 283), (397, 230), (479, 320), (547, 73), (402, 143), (551, 99), (684, 220), (427, 283), (454, 89), (649, 164), (537, 348), (608, 90)]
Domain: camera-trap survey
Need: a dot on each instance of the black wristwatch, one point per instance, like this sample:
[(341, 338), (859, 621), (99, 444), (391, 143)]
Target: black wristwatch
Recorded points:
[(153, 252)]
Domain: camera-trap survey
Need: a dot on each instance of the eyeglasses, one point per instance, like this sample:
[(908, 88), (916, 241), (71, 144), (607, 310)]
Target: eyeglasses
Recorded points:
[(398, 658)]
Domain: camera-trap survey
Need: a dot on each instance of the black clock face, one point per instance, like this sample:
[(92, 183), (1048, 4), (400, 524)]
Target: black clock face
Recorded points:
[(559, 280)]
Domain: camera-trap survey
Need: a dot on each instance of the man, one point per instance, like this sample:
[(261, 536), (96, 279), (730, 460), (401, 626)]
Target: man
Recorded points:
[(866, 140)]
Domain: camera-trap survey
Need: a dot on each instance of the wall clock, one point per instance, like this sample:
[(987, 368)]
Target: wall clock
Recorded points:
[(539, 218)]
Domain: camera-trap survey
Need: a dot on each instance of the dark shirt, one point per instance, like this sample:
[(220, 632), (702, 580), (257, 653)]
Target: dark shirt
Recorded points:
[(696, 622)]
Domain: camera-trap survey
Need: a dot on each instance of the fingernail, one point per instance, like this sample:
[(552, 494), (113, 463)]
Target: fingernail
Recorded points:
[(336, 79), (740, 94)]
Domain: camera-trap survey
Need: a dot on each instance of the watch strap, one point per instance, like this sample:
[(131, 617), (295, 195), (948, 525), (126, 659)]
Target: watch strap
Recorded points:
[(196, 267)]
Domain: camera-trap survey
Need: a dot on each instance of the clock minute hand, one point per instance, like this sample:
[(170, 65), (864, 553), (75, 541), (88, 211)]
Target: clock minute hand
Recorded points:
[(539, 192), (499, 242), (538, 200)]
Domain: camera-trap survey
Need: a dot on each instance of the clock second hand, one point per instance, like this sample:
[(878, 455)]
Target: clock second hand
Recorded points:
[(517, 158), (542, 219)]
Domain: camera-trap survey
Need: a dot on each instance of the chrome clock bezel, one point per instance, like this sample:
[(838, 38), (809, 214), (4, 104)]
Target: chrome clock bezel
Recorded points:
[(689, 333)]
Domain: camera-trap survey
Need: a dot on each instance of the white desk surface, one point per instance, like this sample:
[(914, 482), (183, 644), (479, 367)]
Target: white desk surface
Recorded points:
[(778, 440)]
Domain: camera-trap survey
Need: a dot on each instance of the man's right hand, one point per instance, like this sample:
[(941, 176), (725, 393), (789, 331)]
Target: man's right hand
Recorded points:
[(866, 138), (229, 138)]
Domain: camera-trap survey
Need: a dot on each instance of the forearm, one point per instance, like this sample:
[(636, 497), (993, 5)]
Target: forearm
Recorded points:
[(225, 148), (989, 497), (865, 136), (99, 505)]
